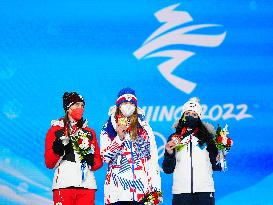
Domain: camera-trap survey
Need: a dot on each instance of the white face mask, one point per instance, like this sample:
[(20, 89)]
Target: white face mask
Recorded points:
[(127, 109)]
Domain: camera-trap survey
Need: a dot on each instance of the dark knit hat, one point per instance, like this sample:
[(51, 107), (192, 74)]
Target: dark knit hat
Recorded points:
[(70, 99), (126, 95)]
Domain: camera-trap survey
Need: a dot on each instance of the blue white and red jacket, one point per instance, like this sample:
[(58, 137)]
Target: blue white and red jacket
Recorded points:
[(133, 168)]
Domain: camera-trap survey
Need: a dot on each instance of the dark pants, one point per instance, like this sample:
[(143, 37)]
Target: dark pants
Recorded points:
[(126, 203), (200, 198)]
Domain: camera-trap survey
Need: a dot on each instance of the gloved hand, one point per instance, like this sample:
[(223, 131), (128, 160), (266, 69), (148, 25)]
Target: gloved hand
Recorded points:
[(89, 159), (58, 147)]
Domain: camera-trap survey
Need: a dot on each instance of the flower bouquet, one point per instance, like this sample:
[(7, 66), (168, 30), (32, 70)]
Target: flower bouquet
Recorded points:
[(152, 198), (82, 143), (223, 144)]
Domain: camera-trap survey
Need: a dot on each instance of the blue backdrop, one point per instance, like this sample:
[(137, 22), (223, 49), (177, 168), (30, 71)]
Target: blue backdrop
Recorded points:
[(168, 51)]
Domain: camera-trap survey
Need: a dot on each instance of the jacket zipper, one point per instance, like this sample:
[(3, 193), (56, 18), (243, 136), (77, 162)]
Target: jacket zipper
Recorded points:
[(133, 167)]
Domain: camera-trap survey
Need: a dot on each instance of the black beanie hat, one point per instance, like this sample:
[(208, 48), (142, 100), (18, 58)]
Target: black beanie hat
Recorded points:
[(70, 99)]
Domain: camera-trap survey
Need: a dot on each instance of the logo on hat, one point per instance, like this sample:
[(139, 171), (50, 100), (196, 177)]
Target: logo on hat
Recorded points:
[(170, 34), (128, 97)]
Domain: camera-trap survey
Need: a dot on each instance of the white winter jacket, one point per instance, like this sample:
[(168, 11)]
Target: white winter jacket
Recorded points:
[(193, 170)]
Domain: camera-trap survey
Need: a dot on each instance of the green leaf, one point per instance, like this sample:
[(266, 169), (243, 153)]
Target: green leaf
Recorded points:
[(179, 147)]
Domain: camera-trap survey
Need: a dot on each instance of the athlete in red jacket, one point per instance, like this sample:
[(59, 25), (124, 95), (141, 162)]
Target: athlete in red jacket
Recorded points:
[(72, 149)]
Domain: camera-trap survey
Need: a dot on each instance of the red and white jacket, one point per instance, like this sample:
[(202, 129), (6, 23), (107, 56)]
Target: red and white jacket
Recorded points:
[(68, 172)]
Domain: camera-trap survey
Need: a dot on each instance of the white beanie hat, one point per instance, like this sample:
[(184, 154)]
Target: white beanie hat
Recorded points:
[(193, 105)]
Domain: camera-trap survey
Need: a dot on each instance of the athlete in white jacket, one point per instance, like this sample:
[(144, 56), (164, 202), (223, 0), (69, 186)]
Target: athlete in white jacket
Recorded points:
[(128, 146), (191, 156)]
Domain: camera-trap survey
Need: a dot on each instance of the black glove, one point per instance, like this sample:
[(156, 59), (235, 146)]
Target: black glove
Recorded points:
[(89, 159), (58, 147)]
